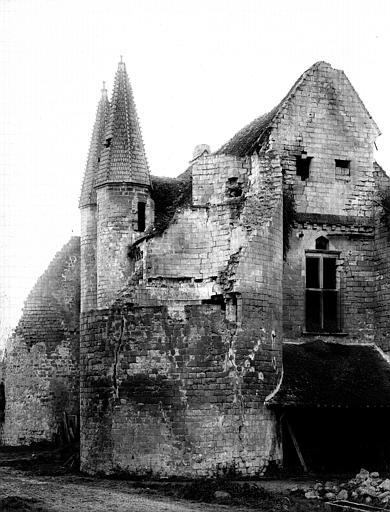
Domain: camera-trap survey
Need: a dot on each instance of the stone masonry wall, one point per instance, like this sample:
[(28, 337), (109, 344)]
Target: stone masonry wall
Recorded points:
[(199, 244), (382, 289), (382, 247), (117, 228), (356, 274), (184, 394), (42, 358), (201, 239), (216, 178), (88, 276), (169, 396), (326, 119)]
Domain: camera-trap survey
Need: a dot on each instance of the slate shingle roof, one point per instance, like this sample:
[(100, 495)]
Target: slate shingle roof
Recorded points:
[(333, 375), (123, 159), (88, 193)]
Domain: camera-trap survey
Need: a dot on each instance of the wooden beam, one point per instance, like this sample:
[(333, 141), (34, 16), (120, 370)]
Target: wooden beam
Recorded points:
[(296, 446)]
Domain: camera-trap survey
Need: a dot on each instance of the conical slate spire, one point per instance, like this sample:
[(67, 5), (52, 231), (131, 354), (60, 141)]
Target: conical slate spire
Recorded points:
[(88, 193), (123, 158)]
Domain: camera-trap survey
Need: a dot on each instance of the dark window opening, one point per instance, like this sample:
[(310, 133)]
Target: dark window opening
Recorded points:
[(322, 295), (344, 164), (108, 142), (312, 272), (322, 243), (233, 188), (141, 216), (303, 166), (217, 300), (342, 169), (135, 253)]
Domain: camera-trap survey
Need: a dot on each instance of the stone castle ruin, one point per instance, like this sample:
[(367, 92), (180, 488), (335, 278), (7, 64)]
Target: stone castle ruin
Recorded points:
[(227, 321)]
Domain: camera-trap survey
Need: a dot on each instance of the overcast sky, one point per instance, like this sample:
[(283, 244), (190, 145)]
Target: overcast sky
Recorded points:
[(200, 70)]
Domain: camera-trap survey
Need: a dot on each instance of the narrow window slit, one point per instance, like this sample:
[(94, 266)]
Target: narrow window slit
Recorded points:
[(303, 166), (141, 216)]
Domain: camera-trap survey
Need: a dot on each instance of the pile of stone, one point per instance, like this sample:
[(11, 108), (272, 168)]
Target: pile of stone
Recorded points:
[(366, 487)]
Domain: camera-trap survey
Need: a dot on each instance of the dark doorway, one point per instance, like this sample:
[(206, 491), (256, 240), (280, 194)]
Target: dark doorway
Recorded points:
[(337, 440)]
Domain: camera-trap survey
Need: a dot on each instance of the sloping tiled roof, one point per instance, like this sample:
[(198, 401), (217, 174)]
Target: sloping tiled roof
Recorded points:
[(252, 135), (333, 375), (88, 193), (123, 158), (169, 195)]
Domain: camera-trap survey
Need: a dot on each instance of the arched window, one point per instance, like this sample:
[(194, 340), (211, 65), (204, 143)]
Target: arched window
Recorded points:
[(322, 244)]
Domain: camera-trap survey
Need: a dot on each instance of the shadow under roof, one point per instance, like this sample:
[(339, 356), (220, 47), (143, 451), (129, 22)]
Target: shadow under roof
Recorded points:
[(320, 374)]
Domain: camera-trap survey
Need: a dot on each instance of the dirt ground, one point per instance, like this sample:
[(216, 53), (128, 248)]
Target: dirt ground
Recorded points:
[(39, 482)]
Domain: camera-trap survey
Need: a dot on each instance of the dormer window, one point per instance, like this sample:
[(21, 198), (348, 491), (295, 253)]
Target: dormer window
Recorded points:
[(303, 165), (342, 169), (108, 142)]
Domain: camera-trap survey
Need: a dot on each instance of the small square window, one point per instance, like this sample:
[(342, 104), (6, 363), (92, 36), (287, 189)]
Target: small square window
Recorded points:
[(342, 169), (303, 166)]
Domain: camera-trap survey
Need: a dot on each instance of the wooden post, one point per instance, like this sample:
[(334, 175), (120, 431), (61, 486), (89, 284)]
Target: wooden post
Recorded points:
[(296, 446)]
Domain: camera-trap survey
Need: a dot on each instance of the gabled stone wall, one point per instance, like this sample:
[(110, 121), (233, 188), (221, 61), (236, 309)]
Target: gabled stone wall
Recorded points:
[(325, 118)]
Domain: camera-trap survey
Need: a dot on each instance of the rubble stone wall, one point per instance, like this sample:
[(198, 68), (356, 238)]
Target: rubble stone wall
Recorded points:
[(42, 358), (173, 397)]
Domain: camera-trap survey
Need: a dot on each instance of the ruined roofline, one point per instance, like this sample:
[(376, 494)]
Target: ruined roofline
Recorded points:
[(257, 132)]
